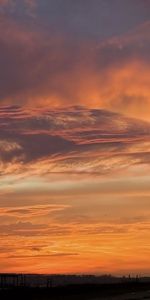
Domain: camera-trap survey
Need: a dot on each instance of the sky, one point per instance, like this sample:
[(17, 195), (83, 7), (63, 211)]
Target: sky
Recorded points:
[(75, 136)]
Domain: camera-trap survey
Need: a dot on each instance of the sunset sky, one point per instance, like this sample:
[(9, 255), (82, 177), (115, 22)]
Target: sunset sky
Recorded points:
[(75, 136)]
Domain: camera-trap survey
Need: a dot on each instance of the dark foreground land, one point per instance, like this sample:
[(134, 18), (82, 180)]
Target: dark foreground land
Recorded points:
[(122, 291)]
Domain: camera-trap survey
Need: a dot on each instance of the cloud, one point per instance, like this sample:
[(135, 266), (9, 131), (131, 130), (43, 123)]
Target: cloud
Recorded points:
[(22, 229), (57, 70), (76, 241), (44, 255), (74, 151), (28, 212), (96, 19), (4, 2), (15, 7), (75, 140)]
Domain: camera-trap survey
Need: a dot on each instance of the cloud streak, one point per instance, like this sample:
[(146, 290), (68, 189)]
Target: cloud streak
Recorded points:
[(75, 140)]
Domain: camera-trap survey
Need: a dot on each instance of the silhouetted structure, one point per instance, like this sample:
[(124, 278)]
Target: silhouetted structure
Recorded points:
[(52, 281), (12, 280), (49, 282)]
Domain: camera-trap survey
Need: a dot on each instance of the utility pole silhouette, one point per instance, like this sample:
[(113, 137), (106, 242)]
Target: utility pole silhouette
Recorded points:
[(49, 283)]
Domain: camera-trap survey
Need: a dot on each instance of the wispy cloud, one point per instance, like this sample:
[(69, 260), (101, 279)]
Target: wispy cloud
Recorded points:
[(75, 140)]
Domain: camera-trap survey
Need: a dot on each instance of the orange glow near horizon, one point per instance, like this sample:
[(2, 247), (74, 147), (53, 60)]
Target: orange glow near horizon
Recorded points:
[(66, 234)]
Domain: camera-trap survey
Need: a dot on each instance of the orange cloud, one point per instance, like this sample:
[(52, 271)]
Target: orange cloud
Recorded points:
[(57, 164), (107, 248), (58, 71), (77, 231), (76, 140)]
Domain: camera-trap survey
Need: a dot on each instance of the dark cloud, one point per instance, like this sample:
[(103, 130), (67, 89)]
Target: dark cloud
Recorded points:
[(22, 229), (43, 68), (86, 18), (61, 254), (31, 211), (29, 229), (69, 140)]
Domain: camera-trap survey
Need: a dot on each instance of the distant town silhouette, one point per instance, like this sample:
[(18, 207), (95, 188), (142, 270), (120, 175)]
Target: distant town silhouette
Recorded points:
[(90, 287)]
